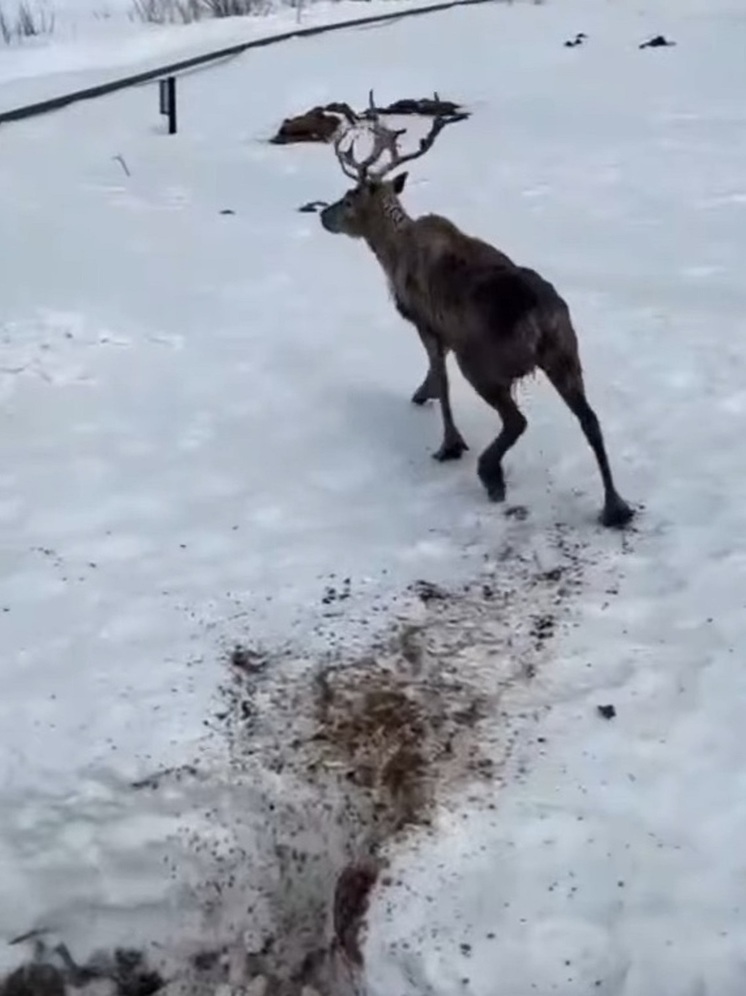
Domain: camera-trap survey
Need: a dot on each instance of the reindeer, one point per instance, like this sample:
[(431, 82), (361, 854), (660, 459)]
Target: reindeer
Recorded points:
[(502, 321)]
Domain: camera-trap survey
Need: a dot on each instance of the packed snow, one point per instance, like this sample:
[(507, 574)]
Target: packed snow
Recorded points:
[(207, 440)]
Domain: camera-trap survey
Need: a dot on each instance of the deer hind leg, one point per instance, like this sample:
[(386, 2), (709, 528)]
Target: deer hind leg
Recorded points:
[(563, 371), (453, 444), (489, 465)]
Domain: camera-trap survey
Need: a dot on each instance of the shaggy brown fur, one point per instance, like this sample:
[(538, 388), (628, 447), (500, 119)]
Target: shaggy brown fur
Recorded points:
[(501, 320)]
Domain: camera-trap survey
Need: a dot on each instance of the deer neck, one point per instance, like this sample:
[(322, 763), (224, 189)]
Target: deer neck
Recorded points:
[(384, 236)]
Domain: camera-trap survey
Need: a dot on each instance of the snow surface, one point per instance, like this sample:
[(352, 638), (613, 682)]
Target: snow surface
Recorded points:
[(92, 44), (205, 417)]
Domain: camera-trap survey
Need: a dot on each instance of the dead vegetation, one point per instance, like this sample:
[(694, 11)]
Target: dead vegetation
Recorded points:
[(26, 21), (193, 11)]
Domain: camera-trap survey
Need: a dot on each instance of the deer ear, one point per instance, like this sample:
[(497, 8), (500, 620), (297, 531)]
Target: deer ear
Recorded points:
[(399, 182)]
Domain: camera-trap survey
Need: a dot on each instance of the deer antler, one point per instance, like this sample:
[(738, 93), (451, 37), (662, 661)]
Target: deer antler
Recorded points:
[(344, 157), (384, 140), (426, 143)]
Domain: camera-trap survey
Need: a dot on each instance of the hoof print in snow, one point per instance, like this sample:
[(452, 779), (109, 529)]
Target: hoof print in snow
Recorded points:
[(657, 41), (577, 40), (607, 711), (519, 512)]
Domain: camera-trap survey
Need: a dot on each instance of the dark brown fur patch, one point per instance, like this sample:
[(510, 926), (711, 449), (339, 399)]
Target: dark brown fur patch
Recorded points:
[(504, 298), (502, 294)]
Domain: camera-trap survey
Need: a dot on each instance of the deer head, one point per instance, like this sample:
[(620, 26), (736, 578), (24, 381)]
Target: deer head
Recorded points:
[(374, 190)]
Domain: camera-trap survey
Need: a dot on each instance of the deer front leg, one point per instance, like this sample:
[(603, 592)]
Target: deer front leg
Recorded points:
[(427, 391), (453, 444)]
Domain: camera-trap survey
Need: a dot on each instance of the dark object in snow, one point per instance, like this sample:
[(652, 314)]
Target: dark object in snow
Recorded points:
[(351, 901), (577, 40), (34, 980), (658, 41), (246, 659), (607, 711), (341, 594), (227, 211), (317, 125), (432, 107), (427, 591), (122, 162), (502, 321), (321, 123), (313, 206), (132, 976), (127, 970), (543, 628)]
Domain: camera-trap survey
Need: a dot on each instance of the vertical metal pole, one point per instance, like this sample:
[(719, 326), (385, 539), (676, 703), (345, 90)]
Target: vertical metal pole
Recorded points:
[(172, 105)]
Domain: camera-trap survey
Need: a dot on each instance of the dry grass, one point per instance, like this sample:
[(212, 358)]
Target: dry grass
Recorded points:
[(190, 11), (25, 21)]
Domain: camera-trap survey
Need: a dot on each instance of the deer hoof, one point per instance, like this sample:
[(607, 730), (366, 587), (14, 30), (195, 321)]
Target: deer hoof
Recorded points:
[(493, 480), (422, 394), (451, 450), (496, 491), (616, 513)]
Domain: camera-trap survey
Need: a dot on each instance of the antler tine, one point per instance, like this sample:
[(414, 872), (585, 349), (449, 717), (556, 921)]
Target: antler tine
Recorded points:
[(350, 166), (384, 139), (426, 143), (345, 159), (372, 111)]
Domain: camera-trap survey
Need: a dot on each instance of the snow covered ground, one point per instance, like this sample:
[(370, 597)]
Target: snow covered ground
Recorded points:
[(205, 426), (95, 42)]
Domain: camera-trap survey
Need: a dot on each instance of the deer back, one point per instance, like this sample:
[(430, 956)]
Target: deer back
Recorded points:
[(459, 287)]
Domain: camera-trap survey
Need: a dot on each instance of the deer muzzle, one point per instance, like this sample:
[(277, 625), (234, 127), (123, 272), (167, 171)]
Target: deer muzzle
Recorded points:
[(331, 218)]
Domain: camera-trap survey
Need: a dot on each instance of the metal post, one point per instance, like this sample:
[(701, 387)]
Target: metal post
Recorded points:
[(167, 101), (172, 105)]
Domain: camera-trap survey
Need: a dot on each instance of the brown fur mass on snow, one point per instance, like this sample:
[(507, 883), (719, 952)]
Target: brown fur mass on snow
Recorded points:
[(317, 125), (320, 123)]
